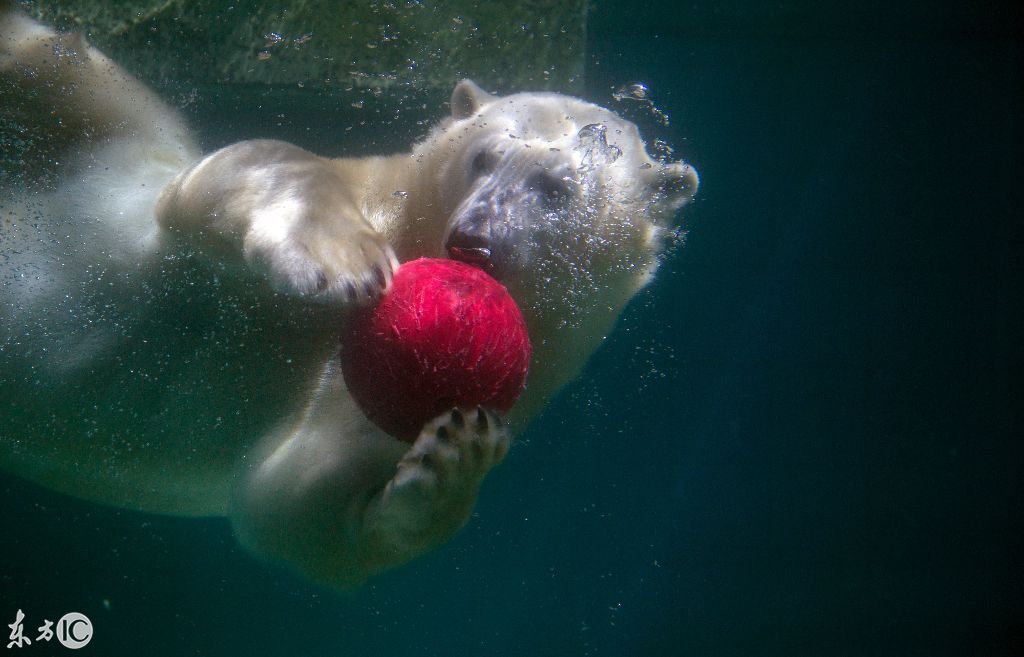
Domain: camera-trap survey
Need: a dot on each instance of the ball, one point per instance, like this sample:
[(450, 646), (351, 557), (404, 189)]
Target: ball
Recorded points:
[(445, 335)]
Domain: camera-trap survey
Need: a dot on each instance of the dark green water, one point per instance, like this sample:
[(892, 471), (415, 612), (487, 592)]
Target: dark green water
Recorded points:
[(801, 441)]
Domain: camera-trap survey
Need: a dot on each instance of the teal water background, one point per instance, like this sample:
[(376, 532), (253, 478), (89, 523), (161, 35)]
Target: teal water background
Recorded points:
[(800, 441)]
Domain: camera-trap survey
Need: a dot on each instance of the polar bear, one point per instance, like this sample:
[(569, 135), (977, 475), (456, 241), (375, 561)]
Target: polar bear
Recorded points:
[(170, 322)]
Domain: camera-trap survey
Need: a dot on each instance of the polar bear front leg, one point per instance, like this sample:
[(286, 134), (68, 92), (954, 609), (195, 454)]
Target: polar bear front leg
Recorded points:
[(286, 214), (434, 489), (343, 507)]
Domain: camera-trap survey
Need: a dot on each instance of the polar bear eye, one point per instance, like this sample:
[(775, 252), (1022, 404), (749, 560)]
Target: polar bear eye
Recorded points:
[(483, 162), (549, 185)]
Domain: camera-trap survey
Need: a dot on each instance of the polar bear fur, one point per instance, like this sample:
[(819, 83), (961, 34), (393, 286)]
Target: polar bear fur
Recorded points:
[(169, 323)]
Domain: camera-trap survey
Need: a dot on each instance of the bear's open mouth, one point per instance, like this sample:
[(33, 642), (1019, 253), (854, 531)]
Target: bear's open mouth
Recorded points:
[(471, 249)]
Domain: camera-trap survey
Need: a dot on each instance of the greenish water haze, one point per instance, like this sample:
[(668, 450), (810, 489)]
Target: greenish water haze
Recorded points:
[(801, 441)]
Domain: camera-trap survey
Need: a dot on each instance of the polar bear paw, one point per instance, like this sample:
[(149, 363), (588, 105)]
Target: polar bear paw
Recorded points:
[(453, 452), (323, 260), (435, 486)]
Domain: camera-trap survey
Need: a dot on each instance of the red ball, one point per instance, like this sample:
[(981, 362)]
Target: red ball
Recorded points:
[(446, 335)]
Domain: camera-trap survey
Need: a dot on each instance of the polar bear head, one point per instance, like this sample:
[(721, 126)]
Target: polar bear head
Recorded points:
[(560, 201)]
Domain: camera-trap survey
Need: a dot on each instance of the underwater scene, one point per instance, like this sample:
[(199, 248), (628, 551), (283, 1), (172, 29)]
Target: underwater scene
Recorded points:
[(767, 264)]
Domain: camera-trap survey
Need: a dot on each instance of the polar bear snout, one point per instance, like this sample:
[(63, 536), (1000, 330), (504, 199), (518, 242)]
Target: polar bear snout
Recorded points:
[(491, 243), (489, 231)]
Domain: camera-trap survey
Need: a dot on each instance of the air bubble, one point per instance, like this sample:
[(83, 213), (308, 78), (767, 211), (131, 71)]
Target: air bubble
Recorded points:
[(593, 145), (638, 92), (632, 91)]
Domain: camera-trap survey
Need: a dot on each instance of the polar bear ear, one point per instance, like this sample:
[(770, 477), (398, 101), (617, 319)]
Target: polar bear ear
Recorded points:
[(677, 184), (467, 99)]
